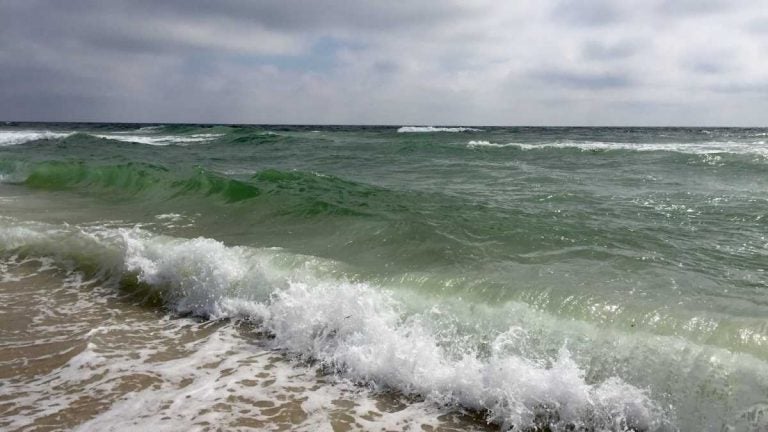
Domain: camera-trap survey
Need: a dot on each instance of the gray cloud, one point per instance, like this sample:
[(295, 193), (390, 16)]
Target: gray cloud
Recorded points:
[(294, 15), (692, 7), (758, 25), (587, 13), (754, 89), (706, 67), (323, 61), (598, 50), (588, 81)]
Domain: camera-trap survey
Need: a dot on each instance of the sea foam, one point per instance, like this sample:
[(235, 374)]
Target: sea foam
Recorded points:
[(757, 148), (424, 129), (475, 144), (9, 138), (160, 140)]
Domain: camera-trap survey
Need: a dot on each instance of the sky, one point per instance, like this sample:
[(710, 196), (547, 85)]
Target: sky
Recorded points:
[(400, 62)]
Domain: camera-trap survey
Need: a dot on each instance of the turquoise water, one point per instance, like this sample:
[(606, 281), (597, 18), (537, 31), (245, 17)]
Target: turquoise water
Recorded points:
[(606, 278)]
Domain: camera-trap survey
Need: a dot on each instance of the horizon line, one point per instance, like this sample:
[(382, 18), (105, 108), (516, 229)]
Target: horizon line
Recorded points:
[(6, 122)]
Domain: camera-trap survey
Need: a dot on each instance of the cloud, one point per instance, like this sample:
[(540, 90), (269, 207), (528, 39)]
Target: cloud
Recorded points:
[(602, 51), (589, 13), (692, 7), (581, 80), (468, 62)]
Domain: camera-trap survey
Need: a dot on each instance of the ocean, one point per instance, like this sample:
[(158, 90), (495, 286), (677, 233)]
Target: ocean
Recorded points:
[(208, 277)]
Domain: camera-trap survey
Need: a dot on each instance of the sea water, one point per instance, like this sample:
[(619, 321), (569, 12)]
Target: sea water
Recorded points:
[(383, 278)]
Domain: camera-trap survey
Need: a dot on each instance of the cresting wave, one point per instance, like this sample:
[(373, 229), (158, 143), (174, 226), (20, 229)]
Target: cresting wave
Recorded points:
[(425, 129), (155, 135), (757, 148), (160, 137), (161, 140), (360, 331), (475, 144), (9, 138), (299, 193)]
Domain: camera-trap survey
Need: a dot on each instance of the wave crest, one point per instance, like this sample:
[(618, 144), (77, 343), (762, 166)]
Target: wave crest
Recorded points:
[(426, 129), (9, 138), (295, 192), (757, 148), (161, 140)]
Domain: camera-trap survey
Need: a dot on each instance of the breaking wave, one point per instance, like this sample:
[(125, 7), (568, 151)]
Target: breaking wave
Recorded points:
[(161, 140), (758, 148), (9, 138), (423, 129), (361, 331), (149, 136)]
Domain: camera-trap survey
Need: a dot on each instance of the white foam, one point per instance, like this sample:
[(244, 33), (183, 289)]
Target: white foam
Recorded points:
[(173, 217), (475, 144), (426, 129), (224, 370), (161, 140), (757, 148), (359, 330), (9, 138), (150, 128)]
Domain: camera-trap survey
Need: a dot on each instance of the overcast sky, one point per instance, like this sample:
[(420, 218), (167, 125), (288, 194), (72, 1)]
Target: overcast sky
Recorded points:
[(529, 62)]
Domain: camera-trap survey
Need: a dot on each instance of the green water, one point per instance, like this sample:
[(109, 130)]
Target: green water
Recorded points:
[(642, 252)]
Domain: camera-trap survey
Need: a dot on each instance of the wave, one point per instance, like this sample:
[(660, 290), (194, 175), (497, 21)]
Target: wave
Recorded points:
[(425, 129), (147, 136), (294, 193), (150, 128), (475, 144), (162, 137), (185, 135), (255, 137), (757, 148), (360, 331), (9, 138), (161, 140), (130, 179)]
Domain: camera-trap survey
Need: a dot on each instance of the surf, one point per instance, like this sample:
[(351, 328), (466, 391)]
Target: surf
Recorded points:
[(360, 331)]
